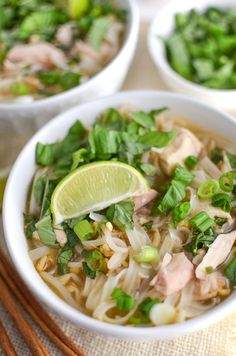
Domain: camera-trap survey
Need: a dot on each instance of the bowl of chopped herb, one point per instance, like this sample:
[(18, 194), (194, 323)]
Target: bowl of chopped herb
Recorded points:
[(193, 46)]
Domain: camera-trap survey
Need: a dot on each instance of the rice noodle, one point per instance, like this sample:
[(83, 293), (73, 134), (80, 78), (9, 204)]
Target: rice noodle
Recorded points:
[(116, 260), (90, 244), (95, 293), (131, 279), (115, 244), (138, 237), (39, 252), (53, 281), (96, 217), (209, 167)]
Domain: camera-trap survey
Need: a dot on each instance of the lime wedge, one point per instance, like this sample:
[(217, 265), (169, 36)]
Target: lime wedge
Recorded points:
[(94, 187)]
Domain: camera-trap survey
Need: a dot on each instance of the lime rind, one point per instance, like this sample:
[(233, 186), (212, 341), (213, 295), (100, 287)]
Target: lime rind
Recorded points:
[(94, 187)]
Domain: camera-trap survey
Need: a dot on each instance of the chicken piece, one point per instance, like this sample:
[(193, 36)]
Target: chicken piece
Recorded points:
[(61, 237), (209, 287), (38, 55), (217, 253), (176, 271), (184, 145), (144, 199), (64, 34)]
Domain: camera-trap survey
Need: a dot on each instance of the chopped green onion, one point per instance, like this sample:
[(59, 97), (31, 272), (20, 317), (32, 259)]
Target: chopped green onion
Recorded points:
[(20, 89), (183, 175), (173, 196), (201, 221), (227, 181), (230, 270), (124, 301), (223, 201), (147, 305), (208, 189), (78, 8), (83, 230), (191, 162), (146, 254), (180, 212)]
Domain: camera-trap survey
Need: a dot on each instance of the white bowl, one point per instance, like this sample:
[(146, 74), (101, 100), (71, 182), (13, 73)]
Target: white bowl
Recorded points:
[(106, 82), (163, 25), (19, 182)]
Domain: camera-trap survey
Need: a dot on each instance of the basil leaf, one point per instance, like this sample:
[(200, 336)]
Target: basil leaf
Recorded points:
[(63, 259), (103, 142), (29, 225), (121, 214), (143, 119), (45, 231), (230, 270), (157, 139), (38, 189), (183, 175), (232, 159), (173, 196)]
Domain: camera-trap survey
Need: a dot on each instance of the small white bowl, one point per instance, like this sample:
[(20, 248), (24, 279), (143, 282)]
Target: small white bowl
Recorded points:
[(106, 82), (20, 179), (163, 25)]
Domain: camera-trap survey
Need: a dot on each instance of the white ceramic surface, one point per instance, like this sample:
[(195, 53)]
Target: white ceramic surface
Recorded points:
[(106, 82), (162, 25), (20, 178)]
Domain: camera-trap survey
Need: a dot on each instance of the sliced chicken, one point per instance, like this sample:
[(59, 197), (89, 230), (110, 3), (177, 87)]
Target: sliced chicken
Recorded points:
[(217, 253), (64, 34), (144, 199), (209, 168), (176, 271), (209, 287), (37, 55), (61, 237), (184, 145)]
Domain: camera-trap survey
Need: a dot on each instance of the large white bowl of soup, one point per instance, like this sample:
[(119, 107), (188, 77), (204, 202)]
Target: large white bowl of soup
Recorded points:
[(120, 215), (55, 55)]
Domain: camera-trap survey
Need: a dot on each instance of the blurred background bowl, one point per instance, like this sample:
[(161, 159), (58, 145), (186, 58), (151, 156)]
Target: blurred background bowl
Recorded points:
[(163, 25), (18, 121)]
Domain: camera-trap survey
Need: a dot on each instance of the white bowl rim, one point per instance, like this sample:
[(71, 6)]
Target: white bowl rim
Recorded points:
[(163, 63), (133, 26), (65, 310)]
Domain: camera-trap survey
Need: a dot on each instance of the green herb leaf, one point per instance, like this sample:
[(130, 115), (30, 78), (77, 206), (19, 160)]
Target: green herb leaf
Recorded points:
[(143, 119), (174, 195), (45, 231), (88, 271), (63, 259), (98, 31), (232, 159), (216, 155), (38, 189), (200, 240), (157, 139), (69, 80), (95, 261), (29, 225), (103, 142), (121, 214), (230, 270)]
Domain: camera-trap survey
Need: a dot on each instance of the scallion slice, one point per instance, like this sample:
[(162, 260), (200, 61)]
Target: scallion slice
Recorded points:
[(223, 201), (201, 221), (208, 189), (227, 182)]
